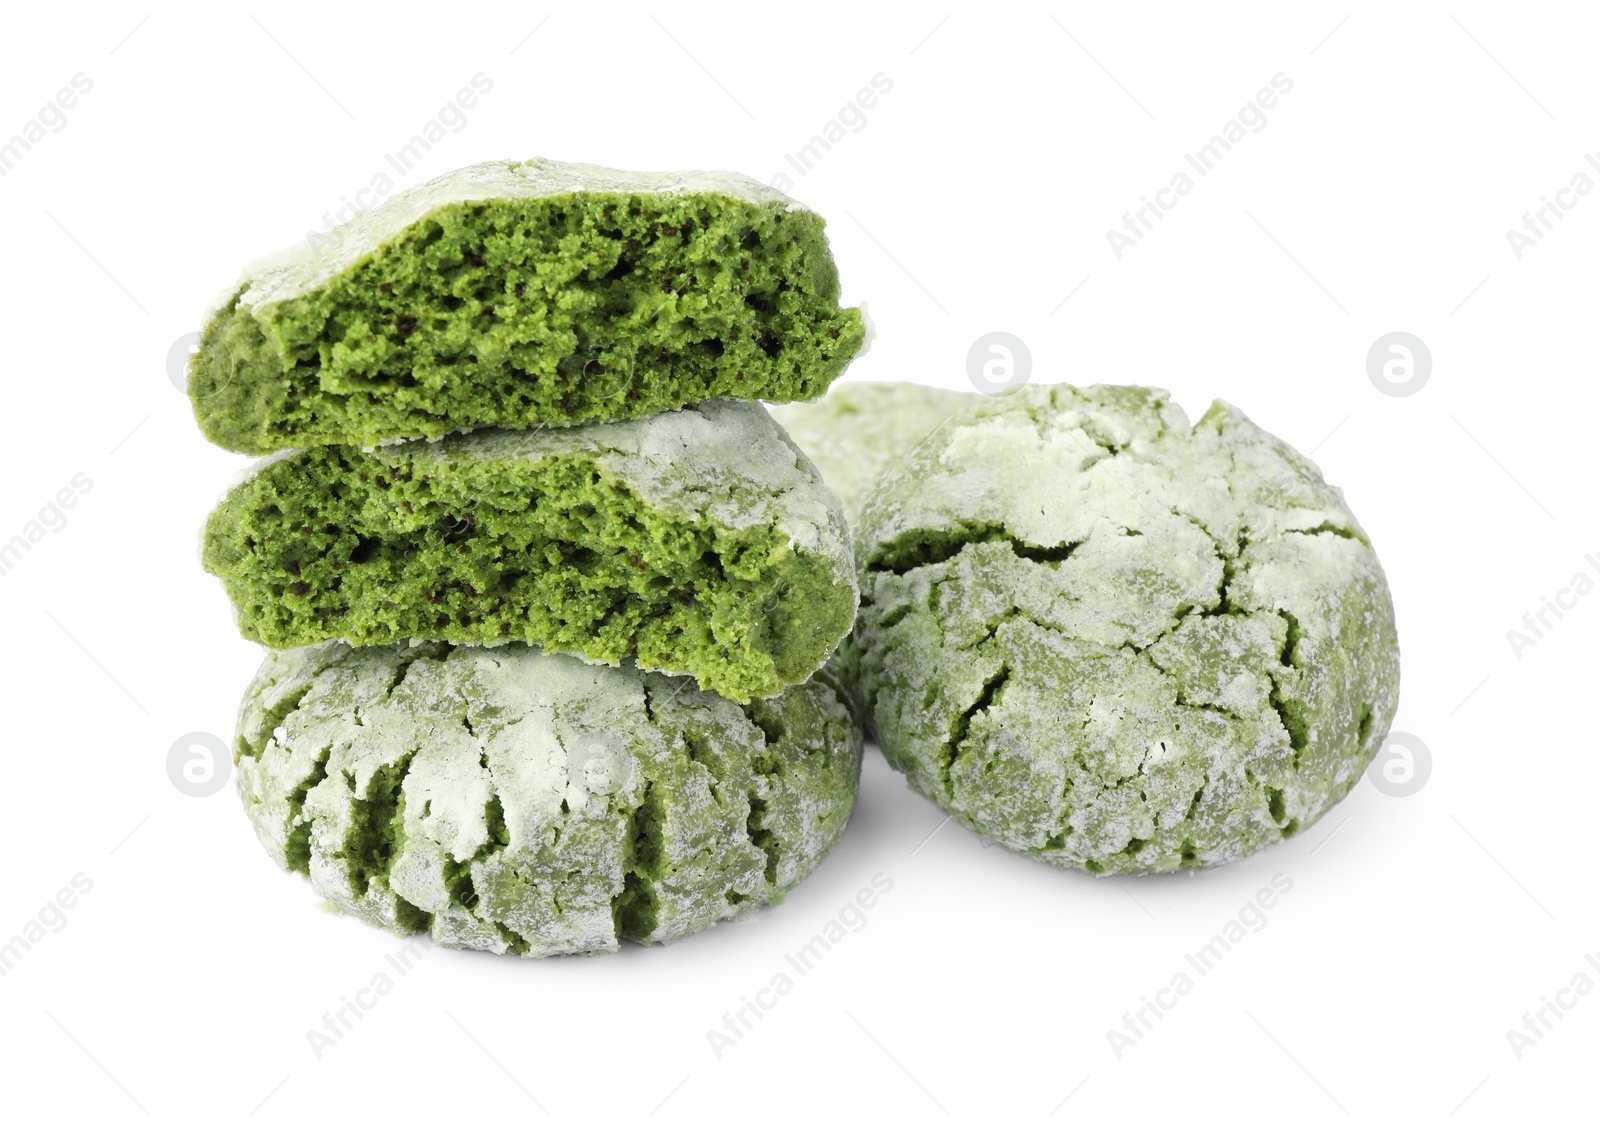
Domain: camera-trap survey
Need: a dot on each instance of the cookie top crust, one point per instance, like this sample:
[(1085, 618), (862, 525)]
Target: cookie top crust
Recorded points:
[(723, 461), (1116, 641), (296, 270)]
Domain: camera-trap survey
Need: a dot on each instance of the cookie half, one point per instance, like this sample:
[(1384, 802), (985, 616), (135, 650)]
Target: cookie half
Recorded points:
[(1115, 641), (506, 799), (521, 293), (699, 541)]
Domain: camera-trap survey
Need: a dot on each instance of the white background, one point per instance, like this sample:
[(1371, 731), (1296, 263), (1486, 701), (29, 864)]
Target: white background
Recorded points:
[(976, 198)]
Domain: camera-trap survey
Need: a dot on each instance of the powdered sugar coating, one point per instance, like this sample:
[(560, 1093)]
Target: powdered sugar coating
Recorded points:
[(302, 268), (509, 799), (1116, 642), (722, 461), (860, 427)]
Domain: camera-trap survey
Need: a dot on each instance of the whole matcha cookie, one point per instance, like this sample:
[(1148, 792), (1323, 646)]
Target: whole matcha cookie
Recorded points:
[(700, 541), (1114, 641), (506, 799), (861, 427), (519, 293)]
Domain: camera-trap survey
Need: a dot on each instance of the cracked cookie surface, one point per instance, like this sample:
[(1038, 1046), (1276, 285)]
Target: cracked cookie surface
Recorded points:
[(1115, 641), (517, 801)]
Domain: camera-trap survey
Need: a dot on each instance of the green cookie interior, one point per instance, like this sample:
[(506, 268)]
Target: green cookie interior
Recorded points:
[(471, 540), (514, 294)]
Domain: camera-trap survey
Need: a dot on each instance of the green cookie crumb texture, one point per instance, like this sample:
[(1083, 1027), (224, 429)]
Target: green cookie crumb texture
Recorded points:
[(699, 541), (1118, 642), (507, 799), (860, 427), (519, 293)]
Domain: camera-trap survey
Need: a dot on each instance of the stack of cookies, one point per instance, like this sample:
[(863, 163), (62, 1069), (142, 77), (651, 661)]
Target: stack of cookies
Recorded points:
[(545, 590)]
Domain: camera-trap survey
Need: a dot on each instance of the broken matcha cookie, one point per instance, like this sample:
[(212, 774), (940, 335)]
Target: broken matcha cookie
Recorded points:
[(860, 427), (1115, 641), (513, 294), (506, 799), (699, 541)]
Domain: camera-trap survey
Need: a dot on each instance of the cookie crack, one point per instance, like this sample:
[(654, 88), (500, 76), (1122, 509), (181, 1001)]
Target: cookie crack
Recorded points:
[(768, 720), (1291, 712), (925, 547), (1345, 532), (402, 668), (274, 719), (297, 831), (635, 908), (376, 825), (1178, 697), (459, 881), (1194, 802), (988, 695), (1230, 564), (762, 837)]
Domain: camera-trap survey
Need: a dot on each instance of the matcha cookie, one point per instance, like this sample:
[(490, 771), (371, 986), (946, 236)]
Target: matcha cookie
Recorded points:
[(1114, 641), (700, 541), (859, 428), (519, 293), (507, 799)]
